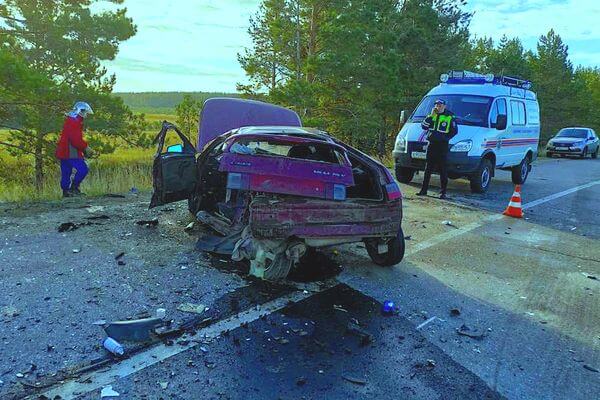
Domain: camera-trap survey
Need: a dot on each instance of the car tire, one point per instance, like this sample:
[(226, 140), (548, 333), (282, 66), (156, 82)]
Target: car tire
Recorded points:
[(480, 180), (392, 256), (584, 153), (404, 174), (521, 172), (595, 154)]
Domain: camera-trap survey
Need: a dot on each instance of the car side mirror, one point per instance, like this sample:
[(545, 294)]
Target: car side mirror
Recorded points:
[(175, 148), (501, 122)]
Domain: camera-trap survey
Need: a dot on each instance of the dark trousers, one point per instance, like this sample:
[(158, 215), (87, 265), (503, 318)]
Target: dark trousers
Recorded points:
[(66, 170), (437, 153)]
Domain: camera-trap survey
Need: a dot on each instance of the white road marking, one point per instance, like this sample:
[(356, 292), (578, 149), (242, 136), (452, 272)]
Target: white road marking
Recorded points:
[(452, 234), (559, 194), (490, 218), (74, 388)]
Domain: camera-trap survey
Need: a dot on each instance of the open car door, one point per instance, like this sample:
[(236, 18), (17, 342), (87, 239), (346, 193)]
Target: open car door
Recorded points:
[(174, 168)]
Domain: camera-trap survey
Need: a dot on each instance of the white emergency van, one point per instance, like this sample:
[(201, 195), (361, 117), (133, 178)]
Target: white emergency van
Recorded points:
[(498, 128)]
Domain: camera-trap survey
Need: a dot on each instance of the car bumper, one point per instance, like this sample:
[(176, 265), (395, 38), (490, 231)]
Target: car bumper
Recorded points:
[(565, 150), (459, 163)]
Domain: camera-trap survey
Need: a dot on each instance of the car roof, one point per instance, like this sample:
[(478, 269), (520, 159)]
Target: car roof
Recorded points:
[(489, 90)]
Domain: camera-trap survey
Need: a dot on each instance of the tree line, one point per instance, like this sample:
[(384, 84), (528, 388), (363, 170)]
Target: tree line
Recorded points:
[(350, 67)]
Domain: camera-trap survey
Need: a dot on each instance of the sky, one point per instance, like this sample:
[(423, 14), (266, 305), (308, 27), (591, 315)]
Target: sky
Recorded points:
[(192, 45)]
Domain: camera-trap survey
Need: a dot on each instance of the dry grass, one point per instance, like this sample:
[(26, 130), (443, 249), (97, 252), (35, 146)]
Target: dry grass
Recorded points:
[(111, 173)]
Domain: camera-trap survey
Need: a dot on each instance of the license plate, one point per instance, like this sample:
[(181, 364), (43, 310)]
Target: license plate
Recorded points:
[(418, 154)]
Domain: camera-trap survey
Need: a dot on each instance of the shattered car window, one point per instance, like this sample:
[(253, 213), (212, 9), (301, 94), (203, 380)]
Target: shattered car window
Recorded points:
[(305, 151)]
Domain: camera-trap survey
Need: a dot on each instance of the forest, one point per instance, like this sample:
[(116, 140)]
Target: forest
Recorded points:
[(346, 67)]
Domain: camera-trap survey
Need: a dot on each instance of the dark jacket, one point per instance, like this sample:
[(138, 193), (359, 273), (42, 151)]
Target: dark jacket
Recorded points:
[(440, 127)]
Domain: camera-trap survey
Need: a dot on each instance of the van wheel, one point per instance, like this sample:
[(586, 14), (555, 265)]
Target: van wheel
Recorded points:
[(480, 180), (404, 174), (521, 172), (394, 253)]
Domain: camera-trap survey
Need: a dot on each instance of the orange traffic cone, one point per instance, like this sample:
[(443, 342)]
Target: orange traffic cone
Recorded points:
[(514, 206)]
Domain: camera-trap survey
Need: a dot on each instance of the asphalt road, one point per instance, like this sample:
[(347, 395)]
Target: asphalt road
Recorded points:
[(577, 210), (488, 307)]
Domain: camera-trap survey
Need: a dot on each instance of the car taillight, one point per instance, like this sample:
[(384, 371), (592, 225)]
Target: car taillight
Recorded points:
[(393, 191)]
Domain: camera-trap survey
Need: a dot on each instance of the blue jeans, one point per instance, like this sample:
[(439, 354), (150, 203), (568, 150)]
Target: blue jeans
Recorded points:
[(66, 170)]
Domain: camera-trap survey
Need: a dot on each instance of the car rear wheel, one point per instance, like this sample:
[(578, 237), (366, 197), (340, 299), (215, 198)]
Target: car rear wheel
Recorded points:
[(404, 174), (521, 171), (391, 255), (584, 152), (480, 180)]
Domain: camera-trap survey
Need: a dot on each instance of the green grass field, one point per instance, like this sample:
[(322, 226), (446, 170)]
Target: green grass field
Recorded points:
[(117, 172)]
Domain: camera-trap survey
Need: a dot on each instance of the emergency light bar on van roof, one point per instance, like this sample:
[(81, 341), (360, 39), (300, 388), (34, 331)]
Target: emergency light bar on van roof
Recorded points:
[(468, 77)]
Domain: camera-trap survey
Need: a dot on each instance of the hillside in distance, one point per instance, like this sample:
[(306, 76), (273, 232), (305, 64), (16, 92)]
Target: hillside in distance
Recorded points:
[(163, 102)]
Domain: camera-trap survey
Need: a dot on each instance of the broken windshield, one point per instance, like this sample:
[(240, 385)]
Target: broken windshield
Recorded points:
[(305, 151)]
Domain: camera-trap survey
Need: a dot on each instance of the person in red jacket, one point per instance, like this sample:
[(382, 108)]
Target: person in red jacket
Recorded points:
[(71, 150)]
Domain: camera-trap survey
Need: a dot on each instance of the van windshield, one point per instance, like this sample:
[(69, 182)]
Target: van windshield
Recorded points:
[(469, 110)]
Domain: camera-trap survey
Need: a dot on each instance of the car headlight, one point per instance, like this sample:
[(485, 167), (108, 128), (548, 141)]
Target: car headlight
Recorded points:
[(464, 145), (401, 144)]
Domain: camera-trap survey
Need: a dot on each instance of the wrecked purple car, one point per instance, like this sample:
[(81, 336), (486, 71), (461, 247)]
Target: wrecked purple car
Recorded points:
[(272, 189)]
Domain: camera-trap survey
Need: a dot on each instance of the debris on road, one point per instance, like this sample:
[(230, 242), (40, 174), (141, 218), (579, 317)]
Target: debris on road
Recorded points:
[(590, 368), (592, 277), (76, 251), (365, 337), (67, 227), (9, 311), (455, 312), (189, 227), (464, 330), (148, 223), (113, 346), (301, 381), (449, 223), (135, 330), (192, 308), (163, 385), (339, 308), (352, 379), (121, 254), (389, 308), (108, 391)]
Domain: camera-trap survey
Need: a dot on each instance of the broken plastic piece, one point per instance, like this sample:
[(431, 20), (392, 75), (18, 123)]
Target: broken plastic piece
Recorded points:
[(113, 346), (136, 330), (108, 391)]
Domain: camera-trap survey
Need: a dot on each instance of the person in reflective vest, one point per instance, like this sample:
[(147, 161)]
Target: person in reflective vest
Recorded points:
[(441, 127)]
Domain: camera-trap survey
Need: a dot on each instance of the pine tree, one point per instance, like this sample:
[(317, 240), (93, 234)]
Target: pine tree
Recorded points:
[(553, 78)]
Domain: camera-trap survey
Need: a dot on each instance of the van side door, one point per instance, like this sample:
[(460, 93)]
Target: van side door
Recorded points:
[(500, 128), (514, 143)]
